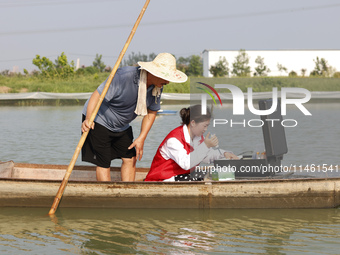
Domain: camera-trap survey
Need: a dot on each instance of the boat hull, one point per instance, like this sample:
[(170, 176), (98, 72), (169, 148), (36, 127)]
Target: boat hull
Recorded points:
[(268, 193)]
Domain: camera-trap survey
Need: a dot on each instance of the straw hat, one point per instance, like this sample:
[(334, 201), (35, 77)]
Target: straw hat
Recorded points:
[(164, 66)]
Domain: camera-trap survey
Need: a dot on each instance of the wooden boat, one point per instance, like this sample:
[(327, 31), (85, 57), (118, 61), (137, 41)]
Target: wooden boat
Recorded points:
[(33, 185)]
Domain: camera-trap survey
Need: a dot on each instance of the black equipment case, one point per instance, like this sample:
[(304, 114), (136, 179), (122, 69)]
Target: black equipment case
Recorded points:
[(275, 146)]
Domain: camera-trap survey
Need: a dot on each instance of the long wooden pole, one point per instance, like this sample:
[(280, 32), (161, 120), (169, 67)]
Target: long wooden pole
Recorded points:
[(84, 135)]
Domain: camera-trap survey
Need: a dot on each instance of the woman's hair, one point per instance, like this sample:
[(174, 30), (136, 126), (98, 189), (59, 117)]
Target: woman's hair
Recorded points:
[(194, 113)]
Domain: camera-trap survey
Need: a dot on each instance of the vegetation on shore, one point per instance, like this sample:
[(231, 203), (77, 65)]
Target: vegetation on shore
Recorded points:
[(81, 83), (262, 84), (61, 76), (89, 83)]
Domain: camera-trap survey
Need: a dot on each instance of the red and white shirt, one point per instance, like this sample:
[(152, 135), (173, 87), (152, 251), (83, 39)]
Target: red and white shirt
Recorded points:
[(178, 154)]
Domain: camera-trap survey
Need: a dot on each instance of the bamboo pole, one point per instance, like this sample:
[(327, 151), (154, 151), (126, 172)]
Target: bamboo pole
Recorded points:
[(94, 113)]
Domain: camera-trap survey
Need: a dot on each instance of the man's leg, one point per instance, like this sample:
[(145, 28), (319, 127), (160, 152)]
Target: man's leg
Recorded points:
[(103, 174), (128, 169)]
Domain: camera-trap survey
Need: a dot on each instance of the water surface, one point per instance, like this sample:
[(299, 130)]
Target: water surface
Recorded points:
[(160, 231), (49, 135)]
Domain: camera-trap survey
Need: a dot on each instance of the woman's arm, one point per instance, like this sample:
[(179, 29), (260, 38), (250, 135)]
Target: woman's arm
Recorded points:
[(174, 150), (219, 154)]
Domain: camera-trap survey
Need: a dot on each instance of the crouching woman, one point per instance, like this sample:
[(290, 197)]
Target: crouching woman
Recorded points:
[(185, 147)]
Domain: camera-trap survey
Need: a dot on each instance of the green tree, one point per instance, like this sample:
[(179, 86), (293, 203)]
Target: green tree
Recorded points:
[(133, 58), (98, 63), (5, 72), (261, 69), (336, 75), (321, 67), (195, 66), (292, 74), (282, 68), (183, 64), (60, 69), (220, 69), (152, 56), (87, 70), (45, 66), (63, 68), (331, 71), (240, 65)]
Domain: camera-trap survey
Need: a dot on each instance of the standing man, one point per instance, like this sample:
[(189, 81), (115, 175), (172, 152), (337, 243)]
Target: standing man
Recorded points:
[(133, 91)]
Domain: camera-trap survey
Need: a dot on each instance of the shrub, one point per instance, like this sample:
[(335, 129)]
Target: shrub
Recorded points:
[(336, 75), (292, 74)]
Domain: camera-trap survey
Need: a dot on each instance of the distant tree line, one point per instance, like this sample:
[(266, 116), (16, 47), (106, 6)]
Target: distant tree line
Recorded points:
[(192, 66), (241, 68), (61, 68)]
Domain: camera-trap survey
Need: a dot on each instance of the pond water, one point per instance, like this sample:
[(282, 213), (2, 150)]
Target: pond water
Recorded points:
[(156, 231), (49, 134), (46, 134)]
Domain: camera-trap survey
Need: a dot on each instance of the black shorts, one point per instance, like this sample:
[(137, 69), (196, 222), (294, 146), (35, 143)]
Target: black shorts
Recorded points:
[(102, 145)]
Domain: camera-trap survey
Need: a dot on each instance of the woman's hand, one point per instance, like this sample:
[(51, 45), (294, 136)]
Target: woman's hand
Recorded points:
[(229, 155), (211, 141), (85, 126)]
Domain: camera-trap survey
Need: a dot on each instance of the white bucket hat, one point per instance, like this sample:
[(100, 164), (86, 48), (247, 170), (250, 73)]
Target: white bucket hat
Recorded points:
[(164, 66)]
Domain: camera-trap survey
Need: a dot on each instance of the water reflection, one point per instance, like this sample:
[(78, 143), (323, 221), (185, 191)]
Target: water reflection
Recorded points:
[(173, 231)]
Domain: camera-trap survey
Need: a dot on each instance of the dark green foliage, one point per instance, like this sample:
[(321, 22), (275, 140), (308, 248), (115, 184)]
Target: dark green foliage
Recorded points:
[(282, 68), (195, 66), (98, 63), (220, 69), (87, 79), (240, 65), (183, 64), (60, 69), (321, 67), (261, 69), (191, 66), (292, 74), (87, 70), (133, 58)]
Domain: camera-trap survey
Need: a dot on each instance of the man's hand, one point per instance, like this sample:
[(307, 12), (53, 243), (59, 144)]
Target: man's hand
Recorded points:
[(145, 128), (139, 145), (85, 126)]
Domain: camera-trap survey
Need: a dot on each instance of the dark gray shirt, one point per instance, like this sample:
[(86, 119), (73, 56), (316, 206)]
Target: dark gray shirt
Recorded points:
[(119, 104)]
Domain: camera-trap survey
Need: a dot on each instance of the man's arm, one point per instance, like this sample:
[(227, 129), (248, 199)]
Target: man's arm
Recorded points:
[(147, 123), (90, 108)]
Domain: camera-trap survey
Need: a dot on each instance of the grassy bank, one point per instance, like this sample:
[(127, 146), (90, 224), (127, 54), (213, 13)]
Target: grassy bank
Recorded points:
[(89, 83), (259, 84), (72, 85)]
